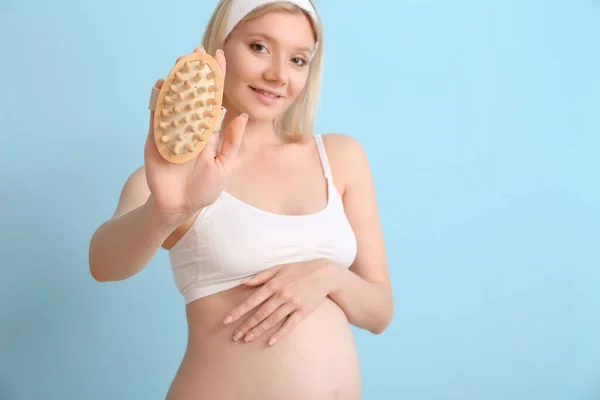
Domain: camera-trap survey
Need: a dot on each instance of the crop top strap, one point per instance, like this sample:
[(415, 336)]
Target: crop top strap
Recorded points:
[(323, 156)]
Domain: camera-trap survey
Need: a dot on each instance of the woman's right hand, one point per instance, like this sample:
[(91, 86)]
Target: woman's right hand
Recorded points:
[(180, 190)]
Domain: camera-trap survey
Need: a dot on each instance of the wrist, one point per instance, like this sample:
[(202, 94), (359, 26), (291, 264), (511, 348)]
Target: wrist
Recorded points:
[(163, 222), (335, 273)]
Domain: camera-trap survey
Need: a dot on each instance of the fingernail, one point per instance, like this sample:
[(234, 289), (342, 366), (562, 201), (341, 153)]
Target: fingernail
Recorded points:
[(227, 320), (244, 115), (249, 337), (272, 341), (220, 51), (237, 336)]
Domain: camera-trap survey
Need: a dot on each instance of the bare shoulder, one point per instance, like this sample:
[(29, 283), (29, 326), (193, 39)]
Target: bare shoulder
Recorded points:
[(342, 144), (347, 157), (135, 192)]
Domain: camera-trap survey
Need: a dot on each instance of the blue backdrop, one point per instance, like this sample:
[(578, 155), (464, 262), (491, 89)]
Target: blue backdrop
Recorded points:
[(482, 123)]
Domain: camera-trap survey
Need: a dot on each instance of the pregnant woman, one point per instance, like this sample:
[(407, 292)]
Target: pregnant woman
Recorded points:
[(272, 231)]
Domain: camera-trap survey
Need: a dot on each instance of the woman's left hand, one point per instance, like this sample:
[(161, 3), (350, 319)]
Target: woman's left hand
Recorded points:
[(290, 290)]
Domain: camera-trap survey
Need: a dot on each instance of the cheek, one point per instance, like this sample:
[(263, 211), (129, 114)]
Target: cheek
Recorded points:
[(298, 82), (235, 59), (240, 76)]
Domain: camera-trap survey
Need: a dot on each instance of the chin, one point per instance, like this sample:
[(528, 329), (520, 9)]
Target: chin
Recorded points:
[(259, 113)]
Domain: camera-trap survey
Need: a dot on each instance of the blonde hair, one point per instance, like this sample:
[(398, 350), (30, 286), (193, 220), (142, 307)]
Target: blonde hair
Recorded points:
[(298, 121)]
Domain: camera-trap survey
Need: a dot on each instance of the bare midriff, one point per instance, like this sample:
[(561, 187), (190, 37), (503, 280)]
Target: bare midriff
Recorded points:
[(317, 360)]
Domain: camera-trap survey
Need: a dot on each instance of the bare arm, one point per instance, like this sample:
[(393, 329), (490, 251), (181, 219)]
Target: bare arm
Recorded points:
[(125, 244), (364, 291)]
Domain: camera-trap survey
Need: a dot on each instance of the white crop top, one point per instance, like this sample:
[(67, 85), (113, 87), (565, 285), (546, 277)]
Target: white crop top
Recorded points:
[(231, 241)]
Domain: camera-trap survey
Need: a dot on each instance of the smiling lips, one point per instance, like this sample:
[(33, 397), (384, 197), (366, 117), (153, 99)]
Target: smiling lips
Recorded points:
[(265, 96)]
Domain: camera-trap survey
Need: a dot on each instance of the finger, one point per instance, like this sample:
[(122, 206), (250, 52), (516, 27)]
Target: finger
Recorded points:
[(220, 59), (263, 276), (158, 85), (259, 316), (197, 49), (150, 149), (251, 302), (270, 321), (232, 139), (292, 321), (209, 152)]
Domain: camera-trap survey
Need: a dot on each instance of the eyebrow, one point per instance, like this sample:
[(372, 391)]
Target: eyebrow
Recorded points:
[(270, 38)]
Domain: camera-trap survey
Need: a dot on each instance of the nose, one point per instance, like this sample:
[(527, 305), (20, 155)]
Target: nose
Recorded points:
[(276, 71)]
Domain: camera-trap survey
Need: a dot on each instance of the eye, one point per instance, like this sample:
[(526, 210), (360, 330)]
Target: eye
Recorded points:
[(299, 61), (257, 47)]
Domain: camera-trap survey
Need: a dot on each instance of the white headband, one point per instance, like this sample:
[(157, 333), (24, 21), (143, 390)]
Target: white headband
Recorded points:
[(240, 8)]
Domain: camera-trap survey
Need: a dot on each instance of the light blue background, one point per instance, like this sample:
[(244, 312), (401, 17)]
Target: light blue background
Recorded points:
[(482, 123)]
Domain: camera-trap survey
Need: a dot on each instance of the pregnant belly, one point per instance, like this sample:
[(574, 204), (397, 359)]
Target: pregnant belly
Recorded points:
[(316, 360)]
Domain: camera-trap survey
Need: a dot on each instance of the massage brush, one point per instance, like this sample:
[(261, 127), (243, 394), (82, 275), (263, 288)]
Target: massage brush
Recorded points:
[(188, 107)]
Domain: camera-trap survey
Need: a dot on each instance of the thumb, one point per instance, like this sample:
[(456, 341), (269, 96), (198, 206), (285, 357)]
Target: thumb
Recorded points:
[(232, 139), (263, 276)]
